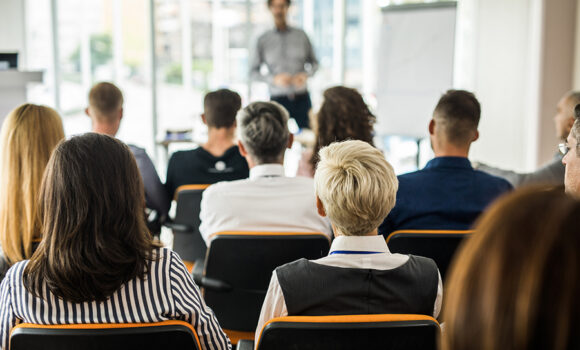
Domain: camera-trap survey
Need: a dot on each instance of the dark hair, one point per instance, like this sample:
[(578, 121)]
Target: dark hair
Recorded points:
[(458, 113), (263, 129), (343, 115), (515, 283), (220, 108), (288, 2), (94, 233), (106, 98)]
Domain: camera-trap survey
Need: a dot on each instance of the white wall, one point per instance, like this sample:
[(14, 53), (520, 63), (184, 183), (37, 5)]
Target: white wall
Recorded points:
[(517, 57), (12, 38)]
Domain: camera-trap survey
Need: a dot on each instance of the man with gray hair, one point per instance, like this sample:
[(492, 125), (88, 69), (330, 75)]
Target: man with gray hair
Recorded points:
[(267, 200), (572, 157), (552, 173)]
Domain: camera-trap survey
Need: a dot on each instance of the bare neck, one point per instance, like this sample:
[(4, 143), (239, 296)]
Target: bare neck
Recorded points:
[(104, 128), (446, 149), (219, 140)]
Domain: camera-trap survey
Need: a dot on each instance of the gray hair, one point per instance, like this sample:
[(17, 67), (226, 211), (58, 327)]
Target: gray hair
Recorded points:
[(576, 128), (263, 130)]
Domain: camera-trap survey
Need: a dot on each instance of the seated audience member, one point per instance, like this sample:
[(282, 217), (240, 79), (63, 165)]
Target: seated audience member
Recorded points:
[(267, 200), (448, 193), (572, 157), (106, 111), (219, 159), (96, 252), (29, 134), (342, 116), (553, 172), (356, 188), (514, 285)]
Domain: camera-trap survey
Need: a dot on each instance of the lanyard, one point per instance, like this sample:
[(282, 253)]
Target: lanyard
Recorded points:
[(352, 252)]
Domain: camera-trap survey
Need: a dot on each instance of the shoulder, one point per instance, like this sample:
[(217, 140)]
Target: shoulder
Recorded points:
[(492, 180), (183, 155), (15, 272), (291, 268), (412, 176), (224, 187), (137, 150)]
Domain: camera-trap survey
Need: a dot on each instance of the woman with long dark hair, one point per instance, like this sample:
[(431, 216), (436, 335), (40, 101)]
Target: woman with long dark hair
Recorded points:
[(97, 262), (344, 115)]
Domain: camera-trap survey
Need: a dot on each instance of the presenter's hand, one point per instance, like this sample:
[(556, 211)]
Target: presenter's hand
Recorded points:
[(282, 79), (299, 80)]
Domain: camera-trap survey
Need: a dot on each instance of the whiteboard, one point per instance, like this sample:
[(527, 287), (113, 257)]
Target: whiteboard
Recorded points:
[(415, 58)]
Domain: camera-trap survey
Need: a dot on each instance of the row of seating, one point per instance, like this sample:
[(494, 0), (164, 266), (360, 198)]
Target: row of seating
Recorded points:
[(236, 269), (396, 332)]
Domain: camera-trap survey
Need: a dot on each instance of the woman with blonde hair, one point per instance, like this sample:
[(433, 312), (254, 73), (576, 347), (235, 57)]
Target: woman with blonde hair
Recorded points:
[(29, 134), (514, 285)]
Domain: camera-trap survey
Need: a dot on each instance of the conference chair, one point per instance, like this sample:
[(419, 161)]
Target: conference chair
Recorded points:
[(385, 332), (237, 269), (176, 335), (439, 245), (187, 240)]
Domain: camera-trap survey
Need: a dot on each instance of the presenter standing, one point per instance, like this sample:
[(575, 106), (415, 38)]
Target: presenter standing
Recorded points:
[(287, 53)]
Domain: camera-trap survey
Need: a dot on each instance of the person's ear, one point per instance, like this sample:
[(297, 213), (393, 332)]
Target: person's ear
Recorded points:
[(569, 124), (87, 111), (242, 149), (320, 207), (203, 118), (121, 113), (432, 127), (290, 140), (476, 136)]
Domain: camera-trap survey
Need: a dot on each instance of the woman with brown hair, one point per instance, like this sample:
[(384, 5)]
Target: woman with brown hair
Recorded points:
[(343, 115), (515, 284), (97, 262), (29, 134)]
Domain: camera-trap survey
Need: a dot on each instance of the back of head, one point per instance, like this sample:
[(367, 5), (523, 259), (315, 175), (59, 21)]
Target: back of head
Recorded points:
[(343, 116), (94, 233), (457, 116), (29, 134), (105, 100), (263, 130), (356, 185), (573, 98), (220, 108), (515, 282)]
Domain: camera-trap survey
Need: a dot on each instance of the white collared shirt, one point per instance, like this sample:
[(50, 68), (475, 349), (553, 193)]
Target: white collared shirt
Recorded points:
[(266, 201), (275, 305)]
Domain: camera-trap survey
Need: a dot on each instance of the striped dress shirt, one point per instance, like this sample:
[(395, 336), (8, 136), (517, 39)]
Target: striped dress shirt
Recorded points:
[(167, 293)]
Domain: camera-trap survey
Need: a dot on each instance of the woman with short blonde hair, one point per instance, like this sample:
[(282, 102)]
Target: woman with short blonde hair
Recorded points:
[(29, 135)]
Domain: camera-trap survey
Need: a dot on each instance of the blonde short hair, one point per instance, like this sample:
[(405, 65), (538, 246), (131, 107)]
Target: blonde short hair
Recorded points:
[(356, 185), (29, 135)]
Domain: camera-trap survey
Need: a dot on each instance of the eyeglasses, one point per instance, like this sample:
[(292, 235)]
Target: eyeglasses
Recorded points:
[(563, 147)]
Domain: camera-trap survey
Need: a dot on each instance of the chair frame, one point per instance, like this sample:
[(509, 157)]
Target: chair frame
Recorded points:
[(106, 329), (352, 322)]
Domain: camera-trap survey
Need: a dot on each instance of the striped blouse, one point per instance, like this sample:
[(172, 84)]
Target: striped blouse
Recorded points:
[(168, 293)]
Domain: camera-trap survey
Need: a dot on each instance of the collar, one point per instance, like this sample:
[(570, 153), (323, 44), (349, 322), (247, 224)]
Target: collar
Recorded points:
[(360, 243), (449, 162), (267, 170), (286, 30)]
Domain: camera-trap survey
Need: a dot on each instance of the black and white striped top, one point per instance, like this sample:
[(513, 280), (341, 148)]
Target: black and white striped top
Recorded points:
[(168, 293)]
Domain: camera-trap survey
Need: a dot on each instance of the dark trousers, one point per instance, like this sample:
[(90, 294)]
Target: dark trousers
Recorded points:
[(298, 106)]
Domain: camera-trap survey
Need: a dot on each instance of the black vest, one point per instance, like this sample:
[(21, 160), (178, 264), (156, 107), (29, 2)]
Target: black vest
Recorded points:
[(312, 289)]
